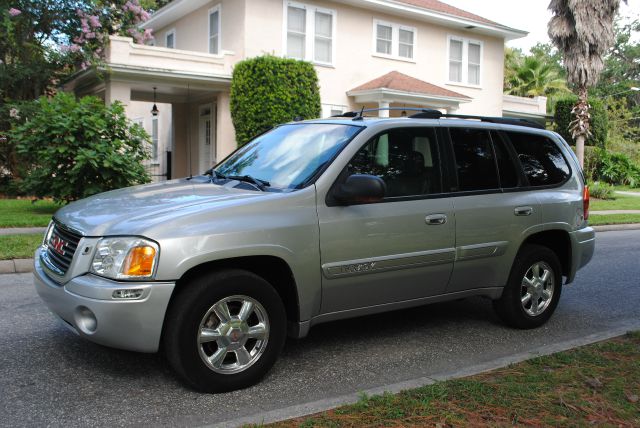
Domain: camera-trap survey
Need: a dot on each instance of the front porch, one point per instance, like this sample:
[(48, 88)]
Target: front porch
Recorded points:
[(191, 127)]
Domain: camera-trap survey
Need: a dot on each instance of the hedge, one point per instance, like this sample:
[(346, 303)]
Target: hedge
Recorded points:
[(599, 121), (267, 91)]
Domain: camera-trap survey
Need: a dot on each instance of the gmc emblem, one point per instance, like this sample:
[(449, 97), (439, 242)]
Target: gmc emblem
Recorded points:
[(58, 245)]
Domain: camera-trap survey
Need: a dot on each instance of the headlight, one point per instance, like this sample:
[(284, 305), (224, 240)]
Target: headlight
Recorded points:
[(125, 258), (47, 235)]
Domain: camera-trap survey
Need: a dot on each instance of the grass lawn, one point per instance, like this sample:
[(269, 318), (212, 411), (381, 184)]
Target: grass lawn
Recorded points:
[(598, 220), (621, 202), (24, 213), (19, 246), (595, 385)]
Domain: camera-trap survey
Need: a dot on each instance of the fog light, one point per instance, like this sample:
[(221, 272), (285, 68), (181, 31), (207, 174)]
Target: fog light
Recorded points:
[(127, 294), (85, 320)]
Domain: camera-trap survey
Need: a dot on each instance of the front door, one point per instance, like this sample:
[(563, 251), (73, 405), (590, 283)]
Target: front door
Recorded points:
[(206, 140), (396, 250)]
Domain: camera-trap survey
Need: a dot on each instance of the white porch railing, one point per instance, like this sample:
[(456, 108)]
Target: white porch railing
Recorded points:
[(124, 53)]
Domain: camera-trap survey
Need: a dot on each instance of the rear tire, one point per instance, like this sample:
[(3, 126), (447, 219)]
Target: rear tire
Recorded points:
[(533, 289), (224, 330)]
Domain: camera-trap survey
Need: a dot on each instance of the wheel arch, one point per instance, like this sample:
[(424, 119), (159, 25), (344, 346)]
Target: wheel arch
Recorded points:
[(273, 269), (557, 241)]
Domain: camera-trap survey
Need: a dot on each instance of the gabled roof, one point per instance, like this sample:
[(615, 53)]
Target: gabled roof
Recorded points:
[(397, 81)]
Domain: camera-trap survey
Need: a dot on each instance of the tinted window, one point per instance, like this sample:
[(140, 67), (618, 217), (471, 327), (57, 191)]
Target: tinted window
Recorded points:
[(541, 160), (506, 166), (406, 159), (474, 159)]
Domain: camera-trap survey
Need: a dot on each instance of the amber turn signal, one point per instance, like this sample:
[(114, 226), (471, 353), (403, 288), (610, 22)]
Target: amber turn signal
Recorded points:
[(139, 261)]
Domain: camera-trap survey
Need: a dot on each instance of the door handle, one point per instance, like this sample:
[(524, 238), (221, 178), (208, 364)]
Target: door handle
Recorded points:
[(523, 211), (435, 219)]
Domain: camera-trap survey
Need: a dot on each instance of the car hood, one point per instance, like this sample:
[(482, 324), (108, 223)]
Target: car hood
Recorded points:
[(133, 210)]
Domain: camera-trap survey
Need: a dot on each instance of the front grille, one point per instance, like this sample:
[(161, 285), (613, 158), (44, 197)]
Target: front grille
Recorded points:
[(61, 247)]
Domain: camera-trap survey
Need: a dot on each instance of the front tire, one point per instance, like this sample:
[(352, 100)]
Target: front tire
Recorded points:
[(225, 330), (533, 290)]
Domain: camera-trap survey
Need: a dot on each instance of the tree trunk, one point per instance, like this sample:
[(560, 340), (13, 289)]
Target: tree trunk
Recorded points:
[(580, 150), (581, 123)]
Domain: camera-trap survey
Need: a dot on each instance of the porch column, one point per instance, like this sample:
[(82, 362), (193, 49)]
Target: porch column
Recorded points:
[(226, 133), (383, 113), (117, 91)]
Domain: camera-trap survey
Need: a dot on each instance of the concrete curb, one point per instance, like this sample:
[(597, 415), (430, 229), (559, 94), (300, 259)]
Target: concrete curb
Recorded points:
[(26, 265), (331, 403), (16, 266), (612, 227)]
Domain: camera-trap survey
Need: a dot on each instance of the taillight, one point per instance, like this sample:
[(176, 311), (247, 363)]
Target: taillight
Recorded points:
[(585, 202)]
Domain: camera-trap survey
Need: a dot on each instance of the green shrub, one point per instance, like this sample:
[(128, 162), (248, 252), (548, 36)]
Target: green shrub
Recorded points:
[(599, 121), (76, 148), (601, 190), (610, 167), (267, 91)]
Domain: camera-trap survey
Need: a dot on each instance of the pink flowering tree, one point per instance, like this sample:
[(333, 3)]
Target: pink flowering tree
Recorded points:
[(105, 18)]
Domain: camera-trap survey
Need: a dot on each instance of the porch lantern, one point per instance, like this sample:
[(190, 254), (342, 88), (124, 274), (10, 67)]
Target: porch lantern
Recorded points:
[(154, 109)]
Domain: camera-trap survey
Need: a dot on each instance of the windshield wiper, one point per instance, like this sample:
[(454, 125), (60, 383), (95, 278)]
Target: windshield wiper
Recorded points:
[(260, 184)]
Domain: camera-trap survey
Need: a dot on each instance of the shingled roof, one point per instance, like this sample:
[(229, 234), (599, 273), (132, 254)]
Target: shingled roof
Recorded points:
[(438, 6), (401, 82)]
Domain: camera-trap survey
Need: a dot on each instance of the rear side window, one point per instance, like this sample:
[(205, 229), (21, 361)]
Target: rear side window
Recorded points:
[(475, 163), (506, 165), (541, 159)]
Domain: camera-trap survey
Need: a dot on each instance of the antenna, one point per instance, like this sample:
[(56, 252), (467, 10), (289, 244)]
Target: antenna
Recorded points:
[(189, 133), (359, 116)]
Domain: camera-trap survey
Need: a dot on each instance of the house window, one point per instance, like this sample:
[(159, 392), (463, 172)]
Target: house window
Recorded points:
[(214, 30), (465, 60), (310, 33), (170, 39), (394, 40), (154, 138)]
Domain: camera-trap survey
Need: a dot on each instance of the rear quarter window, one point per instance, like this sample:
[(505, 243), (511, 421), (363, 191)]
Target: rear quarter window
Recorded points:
[(541, 159)]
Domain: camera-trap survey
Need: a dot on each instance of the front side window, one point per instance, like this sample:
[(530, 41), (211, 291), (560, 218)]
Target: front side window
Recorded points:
[(407, 160), (541, 159), (289, 156), (214, 31), (465, 61), (474, 159), (310, 33), (394, 40)]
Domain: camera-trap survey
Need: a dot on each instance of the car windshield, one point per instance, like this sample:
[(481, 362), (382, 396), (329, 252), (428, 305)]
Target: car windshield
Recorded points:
[(288, 156)]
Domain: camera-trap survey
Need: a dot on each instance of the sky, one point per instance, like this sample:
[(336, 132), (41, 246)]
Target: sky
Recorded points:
[(527, 15)]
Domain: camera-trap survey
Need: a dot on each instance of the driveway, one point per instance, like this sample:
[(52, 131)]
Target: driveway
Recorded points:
[(49, 376)]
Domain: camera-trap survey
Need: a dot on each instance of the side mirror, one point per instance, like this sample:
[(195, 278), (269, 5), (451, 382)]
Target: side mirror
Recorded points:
[(360, 189)]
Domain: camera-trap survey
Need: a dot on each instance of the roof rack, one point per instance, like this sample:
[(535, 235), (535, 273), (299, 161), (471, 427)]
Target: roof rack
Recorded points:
[(437, 114)]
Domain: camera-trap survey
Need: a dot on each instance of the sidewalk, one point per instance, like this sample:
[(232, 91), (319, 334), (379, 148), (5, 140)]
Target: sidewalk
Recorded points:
[(21, 230), (614, 212)]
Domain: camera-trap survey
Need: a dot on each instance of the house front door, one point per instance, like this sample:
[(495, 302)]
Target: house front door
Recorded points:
[(206, 139)]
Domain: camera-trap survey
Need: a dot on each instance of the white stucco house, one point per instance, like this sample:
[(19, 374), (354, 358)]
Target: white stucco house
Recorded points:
[(372, 53)]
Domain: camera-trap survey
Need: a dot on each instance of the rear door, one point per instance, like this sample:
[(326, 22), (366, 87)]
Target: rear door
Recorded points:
[(493, 212), (396, 250)]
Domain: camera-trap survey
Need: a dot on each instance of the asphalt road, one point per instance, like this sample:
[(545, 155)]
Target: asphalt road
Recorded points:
[(49, 376)]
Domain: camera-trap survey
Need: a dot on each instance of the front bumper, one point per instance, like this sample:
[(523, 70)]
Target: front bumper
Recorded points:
[(583, 245), (86, 305)]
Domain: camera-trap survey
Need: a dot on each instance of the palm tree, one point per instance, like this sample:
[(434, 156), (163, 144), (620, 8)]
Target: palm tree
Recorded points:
[(533, 77), (582, 30)]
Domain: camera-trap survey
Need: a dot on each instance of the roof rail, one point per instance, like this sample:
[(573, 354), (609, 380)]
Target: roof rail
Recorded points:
[(425, 113)]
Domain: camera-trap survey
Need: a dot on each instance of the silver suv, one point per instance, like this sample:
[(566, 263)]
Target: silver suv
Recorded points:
[(317, 221)]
